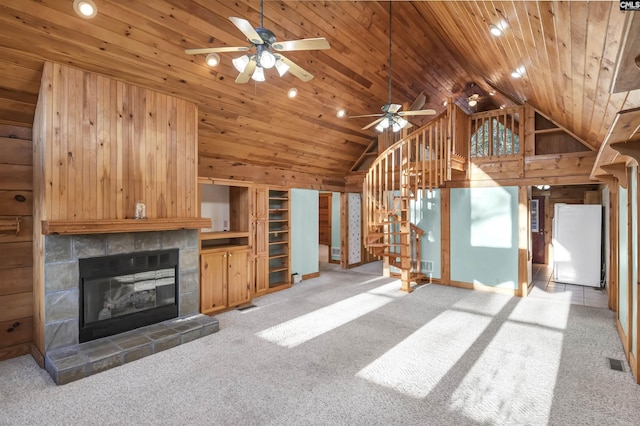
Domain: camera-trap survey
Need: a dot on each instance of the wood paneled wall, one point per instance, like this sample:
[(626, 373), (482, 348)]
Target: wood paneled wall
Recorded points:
[(110, 144), (16, 260), (101, 145)]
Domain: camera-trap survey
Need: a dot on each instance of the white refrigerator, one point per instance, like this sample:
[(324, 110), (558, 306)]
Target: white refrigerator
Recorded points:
[(577, 244)]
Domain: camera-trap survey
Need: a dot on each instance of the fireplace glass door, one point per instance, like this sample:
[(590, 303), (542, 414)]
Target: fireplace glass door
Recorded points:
[(124, 292)]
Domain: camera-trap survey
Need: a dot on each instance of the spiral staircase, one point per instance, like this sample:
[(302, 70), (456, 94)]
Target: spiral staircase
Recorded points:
[(420, 161)]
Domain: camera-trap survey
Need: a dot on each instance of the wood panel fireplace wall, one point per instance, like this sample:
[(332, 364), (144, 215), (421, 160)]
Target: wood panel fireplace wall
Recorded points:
[(101, 146)]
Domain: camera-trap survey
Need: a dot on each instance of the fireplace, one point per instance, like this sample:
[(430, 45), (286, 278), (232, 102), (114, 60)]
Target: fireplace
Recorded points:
[(127, 291)]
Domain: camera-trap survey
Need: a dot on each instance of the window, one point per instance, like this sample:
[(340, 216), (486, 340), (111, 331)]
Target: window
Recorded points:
[(493, 137)]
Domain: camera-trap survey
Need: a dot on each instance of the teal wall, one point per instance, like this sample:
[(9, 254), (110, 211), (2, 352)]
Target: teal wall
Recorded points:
[(623, 269), (304, 231), (335, 223), (425, 213), (484, 236)]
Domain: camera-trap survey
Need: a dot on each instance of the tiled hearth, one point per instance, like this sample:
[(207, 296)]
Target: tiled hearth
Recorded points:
[(68, 360), (78, 361)]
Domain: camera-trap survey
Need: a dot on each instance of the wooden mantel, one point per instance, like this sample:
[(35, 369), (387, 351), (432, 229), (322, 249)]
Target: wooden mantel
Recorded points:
[(79, 227)]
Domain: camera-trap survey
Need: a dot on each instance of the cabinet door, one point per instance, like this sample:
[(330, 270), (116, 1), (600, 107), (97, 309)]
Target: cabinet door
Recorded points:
[(213, 282), (262, 274), (238, 277), (262, 203)]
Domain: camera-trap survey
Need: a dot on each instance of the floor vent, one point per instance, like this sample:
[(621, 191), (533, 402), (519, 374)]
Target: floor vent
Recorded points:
[(244, 308), (615, 364), (335, 251)]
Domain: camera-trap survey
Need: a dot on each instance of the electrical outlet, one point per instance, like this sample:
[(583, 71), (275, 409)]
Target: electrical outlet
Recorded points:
[(225, 224)]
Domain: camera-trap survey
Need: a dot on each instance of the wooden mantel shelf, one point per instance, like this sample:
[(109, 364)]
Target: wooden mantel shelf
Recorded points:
[(110, 226)]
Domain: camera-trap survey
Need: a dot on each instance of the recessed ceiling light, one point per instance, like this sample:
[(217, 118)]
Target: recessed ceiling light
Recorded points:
[(502, 106), (341, 113), (495, 30), (492, 93), (444, 103), (292, 92), (212, 59), (85, 8), (517, 73)]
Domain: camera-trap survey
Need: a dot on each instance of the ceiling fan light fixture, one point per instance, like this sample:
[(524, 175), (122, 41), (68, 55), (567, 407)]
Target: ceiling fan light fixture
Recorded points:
[(85, 8), (258, 74), (267, 60), (380, 127), (240, 63), (292, 92), (473, 102), (402, 122), (282, 67), (212, 59)]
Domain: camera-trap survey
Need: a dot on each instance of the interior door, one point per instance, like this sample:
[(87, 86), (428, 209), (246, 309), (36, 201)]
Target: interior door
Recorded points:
[(324, 219), (538, 230)]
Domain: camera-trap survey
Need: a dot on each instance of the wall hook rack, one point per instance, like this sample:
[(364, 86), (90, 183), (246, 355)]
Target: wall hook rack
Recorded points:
[(10, 225)]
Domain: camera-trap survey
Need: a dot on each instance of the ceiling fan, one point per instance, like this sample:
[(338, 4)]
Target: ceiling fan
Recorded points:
[(267, 52), (391, 115)]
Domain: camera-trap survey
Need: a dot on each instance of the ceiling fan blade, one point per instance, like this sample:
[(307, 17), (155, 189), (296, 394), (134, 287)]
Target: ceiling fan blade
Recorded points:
[(247, 29), (215, 49), (367, 115), (245, 75), (420, 112), (418, 102), (373, 123), (304, 44), (296, 69), (392, 108)]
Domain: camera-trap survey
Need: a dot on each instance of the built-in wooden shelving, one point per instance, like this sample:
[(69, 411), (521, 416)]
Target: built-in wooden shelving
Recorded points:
[(278, 239)]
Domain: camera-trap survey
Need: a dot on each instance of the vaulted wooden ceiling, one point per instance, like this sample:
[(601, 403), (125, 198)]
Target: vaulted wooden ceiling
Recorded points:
[(568, 51)]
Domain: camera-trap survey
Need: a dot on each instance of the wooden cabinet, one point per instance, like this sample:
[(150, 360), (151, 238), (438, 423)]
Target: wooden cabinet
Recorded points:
[(279, 239), (226, 257), (224, 279)]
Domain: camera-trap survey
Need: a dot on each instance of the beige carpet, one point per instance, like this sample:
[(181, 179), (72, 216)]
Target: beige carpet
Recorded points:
[(349, 349)]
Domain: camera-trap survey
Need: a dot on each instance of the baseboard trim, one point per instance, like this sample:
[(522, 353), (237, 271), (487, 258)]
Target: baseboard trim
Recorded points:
[(481, 287), (311, 275)]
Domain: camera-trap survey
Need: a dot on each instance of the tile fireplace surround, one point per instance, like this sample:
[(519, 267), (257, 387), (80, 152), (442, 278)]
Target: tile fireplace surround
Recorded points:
[(65, 358)]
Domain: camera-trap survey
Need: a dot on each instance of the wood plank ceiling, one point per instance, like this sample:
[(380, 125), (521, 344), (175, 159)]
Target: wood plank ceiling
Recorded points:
[(568, 51)]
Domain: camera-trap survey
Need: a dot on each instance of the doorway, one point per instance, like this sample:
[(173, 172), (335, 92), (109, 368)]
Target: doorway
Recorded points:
[(324, 226), (538, 230)]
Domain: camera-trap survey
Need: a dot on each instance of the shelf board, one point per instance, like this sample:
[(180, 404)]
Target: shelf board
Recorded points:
[(278, 242), (279, 231), (278, 220), (219, 235), (278, 210), (286, 268), (112, 226), (278, 256), (279, 198)]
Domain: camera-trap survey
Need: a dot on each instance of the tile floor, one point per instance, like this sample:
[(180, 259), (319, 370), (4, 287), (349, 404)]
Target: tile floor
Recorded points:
[(545, 288)]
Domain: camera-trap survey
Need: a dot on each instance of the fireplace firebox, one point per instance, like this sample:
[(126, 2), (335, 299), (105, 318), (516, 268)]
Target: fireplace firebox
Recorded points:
[(124, 292)]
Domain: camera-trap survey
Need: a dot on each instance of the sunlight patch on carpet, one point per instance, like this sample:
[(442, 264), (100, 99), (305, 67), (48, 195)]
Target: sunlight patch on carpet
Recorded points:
[(415, 366), (515, 376), (304, 328)]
